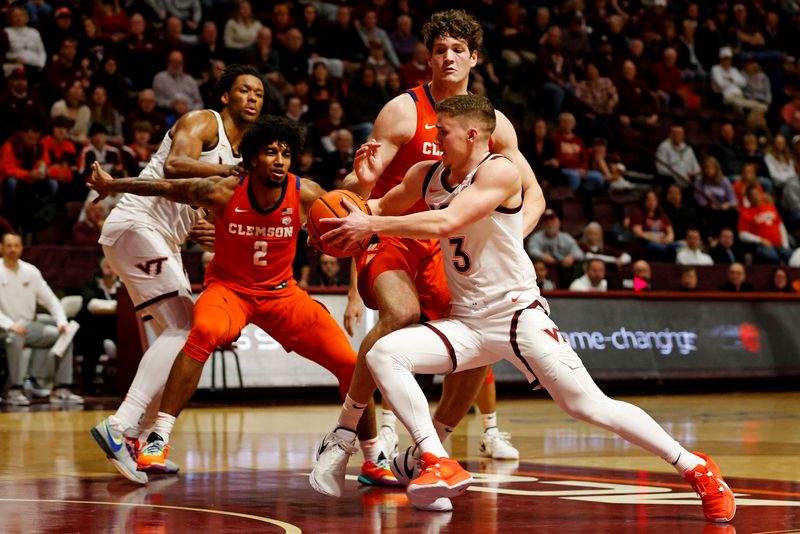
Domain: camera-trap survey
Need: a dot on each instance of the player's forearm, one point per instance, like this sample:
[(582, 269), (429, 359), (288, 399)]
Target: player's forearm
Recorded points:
[(183, 167), (183, 191), (533, 206), (352, 183), (422, 225)]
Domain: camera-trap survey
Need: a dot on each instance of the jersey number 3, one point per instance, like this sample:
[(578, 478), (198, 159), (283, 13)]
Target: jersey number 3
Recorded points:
[(460, 259), (260, 254)]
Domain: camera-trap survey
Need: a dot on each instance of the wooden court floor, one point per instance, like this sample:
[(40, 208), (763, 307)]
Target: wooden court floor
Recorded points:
[(245, 470)]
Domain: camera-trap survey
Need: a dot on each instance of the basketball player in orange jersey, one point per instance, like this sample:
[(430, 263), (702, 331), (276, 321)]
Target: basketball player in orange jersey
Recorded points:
[(250, 279), (398, 276)]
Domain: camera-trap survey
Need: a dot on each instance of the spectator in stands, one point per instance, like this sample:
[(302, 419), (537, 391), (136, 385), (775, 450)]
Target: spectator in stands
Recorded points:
[(669, 84), (403, 39), (683, 216), (692, 252), (761, 224), (779, 162), (542, 276), (598, 93), (749, 177), (72, 106), (294, 57), (540, 151), (56, 30), (557, 69), (751, 153), (790, 202), (337, 164), (641, 270), (675, 160), (25, 46), (92, 45), (593, 280), (99, 150), (364, 101), (654, 229), (737, 280), (189, 11), (370, 32), (757, 86), (791, 129), (146, 112), (514, 37), (788, 109), (313, 26), (573, 157), (688, 280), (103, 112), (61, 152), (114, 81), (207, 50), (63, 69), (729, 83), (553, 246), (715, 193), (637, 104), (377, 58), (323, 128), (180, 107), (329, 272), (112, 19), (26, 183), (19, 103), (342, 40), (261, 54), (22, 288), (173, 80), (726, 150), (688, 58), (174, 38), (241, 30), (140, 55), (136, 155), (416, 71), (794, 261), (609, 166), (779, 281), (86, 231), (594, 248), (726, 250)]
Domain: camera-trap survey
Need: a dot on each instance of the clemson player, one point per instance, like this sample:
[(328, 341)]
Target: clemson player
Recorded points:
[(250, 279)]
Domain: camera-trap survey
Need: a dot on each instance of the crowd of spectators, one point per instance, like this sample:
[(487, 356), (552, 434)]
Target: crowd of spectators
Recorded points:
[(667, 124)]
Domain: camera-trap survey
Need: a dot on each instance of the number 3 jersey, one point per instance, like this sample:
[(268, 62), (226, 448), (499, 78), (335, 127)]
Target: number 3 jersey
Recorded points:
[(485, 262), (254, 248)]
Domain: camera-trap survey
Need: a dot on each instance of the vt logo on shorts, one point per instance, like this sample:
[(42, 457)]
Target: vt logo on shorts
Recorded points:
[(148, 266), (554, 333)]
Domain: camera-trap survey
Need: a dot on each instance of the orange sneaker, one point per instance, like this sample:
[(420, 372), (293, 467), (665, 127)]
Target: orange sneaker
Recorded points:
[(154, 453), (378, 473), (440, 477), (719, 504)]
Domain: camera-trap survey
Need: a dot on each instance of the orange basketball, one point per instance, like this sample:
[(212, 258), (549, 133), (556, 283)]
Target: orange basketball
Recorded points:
[(330, 205)]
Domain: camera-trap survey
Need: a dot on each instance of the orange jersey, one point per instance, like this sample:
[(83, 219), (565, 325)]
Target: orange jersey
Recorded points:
[(421, 147), (254, 248)]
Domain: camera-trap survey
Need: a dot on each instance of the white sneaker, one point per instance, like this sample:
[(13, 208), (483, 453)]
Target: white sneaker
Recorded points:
[(65, 396), (497, 445), (119, 450), (33, 390), (405, 466), (334, 452), (16, 397), (442, 504), (388, 440)]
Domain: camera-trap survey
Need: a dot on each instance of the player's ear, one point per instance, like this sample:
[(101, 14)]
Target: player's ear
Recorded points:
[(225, 98), (472, 134), (473, 58)]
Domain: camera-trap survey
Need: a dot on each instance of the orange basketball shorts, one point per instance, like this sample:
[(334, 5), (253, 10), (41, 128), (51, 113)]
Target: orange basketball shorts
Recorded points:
[(421, 259), (291, 317)]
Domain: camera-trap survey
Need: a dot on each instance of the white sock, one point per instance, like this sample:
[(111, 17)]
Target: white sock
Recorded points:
[(433, 445), (129, 415), (348, 435), (442, 430), (388, 418), (371, 449), (686, 461), (351, 414), (489, 420), (164, 424)]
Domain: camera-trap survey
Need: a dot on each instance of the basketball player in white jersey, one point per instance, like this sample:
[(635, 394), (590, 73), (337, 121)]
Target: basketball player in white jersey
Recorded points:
[(475, 202), (141, 239)]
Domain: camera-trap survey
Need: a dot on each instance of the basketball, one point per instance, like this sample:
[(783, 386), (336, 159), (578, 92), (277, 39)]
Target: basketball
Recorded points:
[(330, 205)]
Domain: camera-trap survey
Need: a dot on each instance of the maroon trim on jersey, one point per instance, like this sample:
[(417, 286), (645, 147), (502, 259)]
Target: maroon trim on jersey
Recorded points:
[(451, 351), (428, 178), (508, 211), (277, 204), (513, 338), (156, 299)]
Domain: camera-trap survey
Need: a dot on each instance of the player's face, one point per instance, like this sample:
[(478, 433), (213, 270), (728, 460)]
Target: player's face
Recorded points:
[(451, 138), (272, 163), (451, 59), (245, 98)]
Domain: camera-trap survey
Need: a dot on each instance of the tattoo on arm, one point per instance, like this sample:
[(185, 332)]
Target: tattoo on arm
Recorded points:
[(194, 191)]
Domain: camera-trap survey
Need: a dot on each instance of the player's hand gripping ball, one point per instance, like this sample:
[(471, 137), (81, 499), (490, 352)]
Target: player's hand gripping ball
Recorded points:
[(329, 206)]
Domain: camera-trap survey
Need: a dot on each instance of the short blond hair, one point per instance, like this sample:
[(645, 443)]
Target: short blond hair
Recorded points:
[(476, 108)]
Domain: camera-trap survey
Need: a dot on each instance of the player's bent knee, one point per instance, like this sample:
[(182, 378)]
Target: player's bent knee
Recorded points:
[(399, 318)]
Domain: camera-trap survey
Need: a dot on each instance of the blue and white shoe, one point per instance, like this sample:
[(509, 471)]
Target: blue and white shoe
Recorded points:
[(120, 451)]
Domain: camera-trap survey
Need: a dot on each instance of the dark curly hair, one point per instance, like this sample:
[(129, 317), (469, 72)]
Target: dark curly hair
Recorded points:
[(267, 130), (226, 81), (455, 23)]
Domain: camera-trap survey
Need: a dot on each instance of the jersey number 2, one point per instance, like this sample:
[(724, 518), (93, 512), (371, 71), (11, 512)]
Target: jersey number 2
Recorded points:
[(462, 264), (260, 254)]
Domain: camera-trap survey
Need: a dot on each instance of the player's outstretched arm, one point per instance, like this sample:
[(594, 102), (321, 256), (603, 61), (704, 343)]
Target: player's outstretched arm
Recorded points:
[(505, 142), (213, 192), (190, 133), (395, 125), (309, 192)]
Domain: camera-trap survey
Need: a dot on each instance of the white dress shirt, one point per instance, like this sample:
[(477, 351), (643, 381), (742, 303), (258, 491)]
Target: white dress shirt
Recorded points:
[(584, 284), (21, 291)]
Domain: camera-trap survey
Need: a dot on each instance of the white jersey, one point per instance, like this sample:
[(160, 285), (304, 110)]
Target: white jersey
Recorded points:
[(485, 261), (169, 219)]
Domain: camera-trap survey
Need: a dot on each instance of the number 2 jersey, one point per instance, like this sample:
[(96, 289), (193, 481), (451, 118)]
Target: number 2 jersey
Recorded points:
[(486, 260), (254, 248)]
